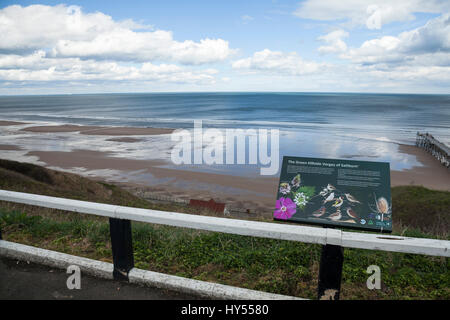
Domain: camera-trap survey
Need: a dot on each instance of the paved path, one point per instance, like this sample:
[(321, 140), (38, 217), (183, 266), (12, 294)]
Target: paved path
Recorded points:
[(20, 280)]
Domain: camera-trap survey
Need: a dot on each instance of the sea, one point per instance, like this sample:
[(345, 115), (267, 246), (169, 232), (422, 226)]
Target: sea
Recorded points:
[(328, 125)]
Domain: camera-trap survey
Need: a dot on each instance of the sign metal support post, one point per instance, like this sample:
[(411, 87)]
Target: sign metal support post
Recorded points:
[(330, 272), (122, 247)]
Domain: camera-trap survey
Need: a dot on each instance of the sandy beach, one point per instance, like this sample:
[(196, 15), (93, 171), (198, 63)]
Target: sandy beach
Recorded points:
[(99, 130), (4, 123), (9, 147), (159, 177), (126, 139), (256, 193), (432, 174)]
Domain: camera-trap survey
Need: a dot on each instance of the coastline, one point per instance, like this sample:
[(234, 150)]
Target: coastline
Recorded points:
[(98, 130), (6, 123), (256, 192), (160, 177), (431, 174)]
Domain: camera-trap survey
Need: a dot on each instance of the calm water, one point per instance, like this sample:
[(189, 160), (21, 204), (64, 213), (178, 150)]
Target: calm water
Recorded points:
[(360, 126), (392, 116)]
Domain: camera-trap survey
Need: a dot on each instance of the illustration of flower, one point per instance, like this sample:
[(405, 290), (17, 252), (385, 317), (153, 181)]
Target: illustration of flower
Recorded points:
[(285, 188), (285, 208), (301, 199), (303, 195), (296, 181)]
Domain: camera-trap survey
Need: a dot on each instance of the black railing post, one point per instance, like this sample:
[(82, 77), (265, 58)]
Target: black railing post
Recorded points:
[(330, 272), (122, 247)]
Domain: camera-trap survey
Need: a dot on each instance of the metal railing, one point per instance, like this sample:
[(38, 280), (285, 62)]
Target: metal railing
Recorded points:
[(331, 239)]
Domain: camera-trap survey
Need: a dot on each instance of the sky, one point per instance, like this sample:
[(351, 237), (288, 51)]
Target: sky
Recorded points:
[(50, 47)]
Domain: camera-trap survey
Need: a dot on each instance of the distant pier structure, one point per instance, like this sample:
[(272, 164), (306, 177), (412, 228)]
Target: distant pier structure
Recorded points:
[(430, 144)]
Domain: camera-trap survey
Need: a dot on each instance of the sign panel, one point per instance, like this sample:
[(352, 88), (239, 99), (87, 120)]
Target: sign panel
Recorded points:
[(332, 192)]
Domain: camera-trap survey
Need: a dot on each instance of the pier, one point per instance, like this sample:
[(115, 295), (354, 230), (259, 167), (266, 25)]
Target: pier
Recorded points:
[(436, 148)]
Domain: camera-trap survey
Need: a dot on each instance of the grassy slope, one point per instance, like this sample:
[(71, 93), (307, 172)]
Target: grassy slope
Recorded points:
[(269, 265), (421, 208)]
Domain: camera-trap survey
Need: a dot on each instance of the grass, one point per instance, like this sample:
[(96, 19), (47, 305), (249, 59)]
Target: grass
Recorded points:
[(275, 266), (421, 208), (263, 264)]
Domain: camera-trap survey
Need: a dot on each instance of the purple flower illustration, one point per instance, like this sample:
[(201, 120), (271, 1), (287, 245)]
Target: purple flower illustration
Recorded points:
[(285, 208)]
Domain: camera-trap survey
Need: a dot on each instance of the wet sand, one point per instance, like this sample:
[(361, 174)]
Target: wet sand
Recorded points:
[(60, 128), (431, 175), (98, 130), (9, 147), (158, 177), (257, 193), (126, 139), (125, 131), (5, 123)]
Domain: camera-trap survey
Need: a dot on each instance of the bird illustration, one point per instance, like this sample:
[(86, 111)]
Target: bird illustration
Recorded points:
[(338, 203), (320, 212), (351, 213), (329, 198), (351, 198), (336, 216), (331, 187)]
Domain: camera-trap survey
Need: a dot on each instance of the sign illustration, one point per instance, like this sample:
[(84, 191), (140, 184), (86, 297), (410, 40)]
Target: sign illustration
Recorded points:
[(347, 193)]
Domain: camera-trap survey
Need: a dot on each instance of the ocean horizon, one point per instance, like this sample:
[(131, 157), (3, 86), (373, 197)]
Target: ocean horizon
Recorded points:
[(396, 117)]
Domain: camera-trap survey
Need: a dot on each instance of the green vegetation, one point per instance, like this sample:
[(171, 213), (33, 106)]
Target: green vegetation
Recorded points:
[(262, 264), (30, 178), (421, 208)]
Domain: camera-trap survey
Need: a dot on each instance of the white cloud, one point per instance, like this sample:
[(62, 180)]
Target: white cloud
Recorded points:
[(39, 67), (411, 73), (246, 18), (39, 26), (334, 42), (126, 45), (68, 32), (61, 43), (371, 13), (417, 46), (277, 62), (419, 54), (32, 61)]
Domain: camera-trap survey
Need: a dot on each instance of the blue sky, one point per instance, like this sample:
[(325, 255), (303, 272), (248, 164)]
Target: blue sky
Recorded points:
[(147, 46)]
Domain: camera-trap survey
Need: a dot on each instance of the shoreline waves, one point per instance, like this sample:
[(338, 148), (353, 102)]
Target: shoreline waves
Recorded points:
[(157, 175)]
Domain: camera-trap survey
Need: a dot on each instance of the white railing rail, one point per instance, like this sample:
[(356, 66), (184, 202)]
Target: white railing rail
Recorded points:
[(270, 230)]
